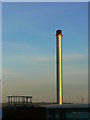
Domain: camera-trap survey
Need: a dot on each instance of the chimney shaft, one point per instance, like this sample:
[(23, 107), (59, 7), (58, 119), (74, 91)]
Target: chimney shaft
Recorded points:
[(59, 66)]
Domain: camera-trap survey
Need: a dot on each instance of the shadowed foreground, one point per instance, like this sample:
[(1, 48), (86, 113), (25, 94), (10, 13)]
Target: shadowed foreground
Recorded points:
[(46, 112), (23, 113)]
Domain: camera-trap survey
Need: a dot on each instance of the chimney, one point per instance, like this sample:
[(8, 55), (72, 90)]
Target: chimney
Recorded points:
[(59, 66)]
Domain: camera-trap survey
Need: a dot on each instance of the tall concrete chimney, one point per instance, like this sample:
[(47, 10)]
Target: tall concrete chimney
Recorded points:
[(59, 66)]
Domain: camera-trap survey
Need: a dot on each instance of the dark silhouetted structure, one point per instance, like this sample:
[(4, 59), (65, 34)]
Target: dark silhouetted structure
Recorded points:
[(19, 99)]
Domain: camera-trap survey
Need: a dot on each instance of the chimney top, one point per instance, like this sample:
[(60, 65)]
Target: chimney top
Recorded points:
[(58, 32)]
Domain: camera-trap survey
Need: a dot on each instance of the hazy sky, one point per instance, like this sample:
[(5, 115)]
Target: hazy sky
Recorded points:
[(0, 50), (29, 50), (45, 0)]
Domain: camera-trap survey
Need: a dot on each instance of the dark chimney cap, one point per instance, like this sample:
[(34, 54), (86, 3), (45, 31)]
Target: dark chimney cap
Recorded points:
[(58, 32)]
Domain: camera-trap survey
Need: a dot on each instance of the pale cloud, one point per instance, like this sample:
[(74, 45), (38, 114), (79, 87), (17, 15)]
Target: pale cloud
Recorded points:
[(68, 57), (38, 59), (28, 59), (75, 57), (8, 72), (18, 46), (28, 53)]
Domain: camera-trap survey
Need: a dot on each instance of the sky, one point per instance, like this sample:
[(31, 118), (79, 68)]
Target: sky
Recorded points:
[(0, 51), (45, 0), (29, 50)]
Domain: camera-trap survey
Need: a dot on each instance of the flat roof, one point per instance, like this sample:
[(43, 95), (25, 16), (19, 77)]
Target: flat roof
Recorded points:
[(67, 106)]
